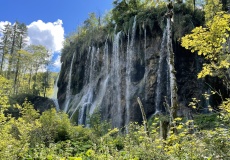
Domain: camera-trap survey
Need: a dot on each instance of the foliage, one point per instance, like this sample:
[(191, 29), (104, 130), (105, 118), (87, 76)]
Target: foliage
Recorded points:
[(15, 133), (21, 62), (189, 143), (99, 128), (52, 136), (5, 87), (211, 9), (210, 42), (34, 136)]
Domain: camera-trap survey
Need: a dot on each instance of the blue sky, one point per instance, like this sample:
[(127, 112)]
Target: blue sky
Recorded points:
[(49, 21)]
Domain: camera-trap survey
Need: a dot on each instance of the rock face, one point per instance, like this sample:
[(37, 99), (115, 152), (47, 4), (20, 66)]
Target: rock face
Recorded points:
[(108, 77)]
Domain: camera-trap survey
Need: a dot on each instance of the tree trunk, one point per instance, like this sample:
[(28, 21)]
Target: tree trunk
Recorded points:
[(143, 115), (173, 85), (170, 60), (12, 53), (30, 78), (17, 69), (4, 52)]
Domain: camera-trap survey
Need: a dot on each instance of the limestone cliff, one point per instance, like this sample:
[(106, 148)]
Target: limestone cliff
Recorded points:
[(109, 74)]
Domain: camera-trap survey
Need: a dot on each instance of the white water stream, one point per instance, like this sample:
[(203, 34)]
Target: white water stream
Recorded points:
[(68, 89), (129, 68)]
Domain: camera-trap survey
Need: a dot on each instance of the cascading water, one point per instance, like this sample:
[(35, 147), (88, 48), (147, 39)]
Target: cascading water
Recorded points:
[(106, 58), (129, 68), (109, 79), (54, 96), (116, 79), (146, 65), (161, 75), (68, 89), (85, 100), (166, 80), (112, 81)]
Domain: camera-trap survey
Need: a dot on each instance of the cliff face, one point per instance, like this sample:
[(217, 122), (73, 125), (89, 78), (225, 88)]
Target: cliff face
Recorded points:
[(107, 77)]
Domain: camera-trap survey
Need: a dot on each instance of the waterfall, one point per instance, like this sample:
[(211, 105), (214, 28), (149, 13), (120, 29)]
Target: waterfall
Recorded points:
[(68, 89), (160, 74), (116, 78), (54, 96), (92, 81), (100, 96), (129, 68), (166, 80), (146, 65), (87, 101), (106, 58), (103, 83), (88, 64)]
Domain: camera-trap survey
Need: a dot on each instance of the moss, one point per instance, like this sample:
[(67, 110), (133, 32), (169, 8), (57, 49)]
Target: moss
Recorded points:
[(207, 121), (40, 103), (75, 116)]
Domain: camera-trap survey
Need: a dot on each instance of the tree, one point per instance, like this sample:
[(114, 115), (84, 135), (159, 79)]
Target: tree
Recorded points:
[(12, 49), (24, 68), (13, 40), (212, 42), (20, 43), (43, 79), (5, 90), (4, 44), (92, 22), (21, 63), (40, 58), (211, 8), (172, 108)]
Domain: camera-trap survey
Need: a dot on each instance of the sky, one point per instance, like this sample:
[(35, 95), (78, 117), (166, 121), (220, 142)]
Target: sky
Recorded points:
[(50, 21)]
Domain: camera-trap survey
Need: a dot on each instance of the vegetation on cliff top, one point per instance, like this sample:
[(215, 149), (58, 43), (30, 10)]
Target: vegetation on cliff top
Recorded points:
[(149, 15)]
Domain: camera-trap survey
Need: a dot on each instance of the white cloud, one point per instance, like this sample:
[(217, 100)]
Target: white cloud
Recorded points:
[(50, 35), (57, 62)]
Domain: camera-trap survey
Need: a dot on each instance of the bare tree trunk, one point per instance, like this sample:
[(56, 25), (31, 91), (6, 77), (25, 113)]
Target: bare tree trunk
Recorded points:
[(143, 115), (4, 52), (170, 59), (30, 78), (12, 53), (172, 72), (17, 70)]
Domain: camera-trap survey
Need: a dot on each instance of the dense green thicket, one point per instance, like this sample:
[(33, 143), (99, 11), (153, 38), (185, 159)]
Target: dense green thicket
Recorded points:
[(52, 136)]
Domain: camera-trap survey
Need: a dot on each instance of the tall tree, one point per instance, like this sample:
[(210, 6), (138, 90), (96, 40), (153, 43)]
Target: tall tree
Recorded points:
[(171, 64), (4, 44), (20, 44), (17, 39), (12, 49), (40, 57)]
